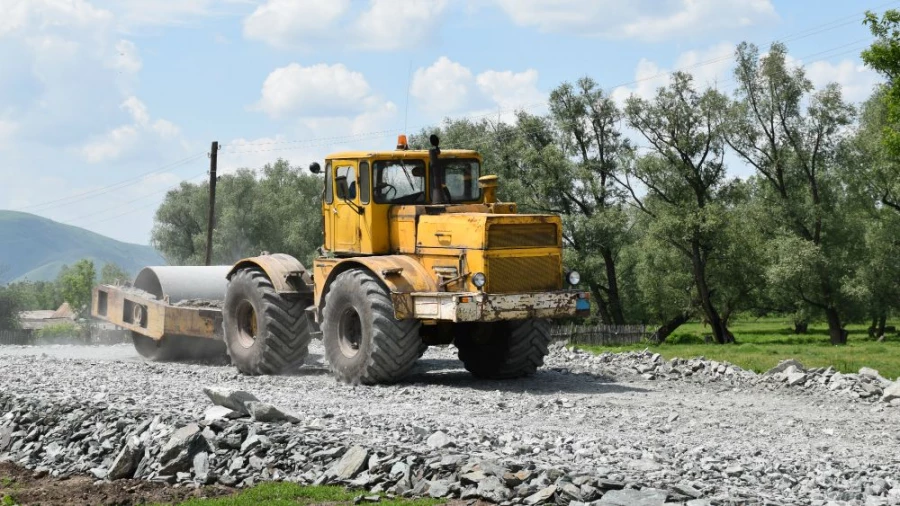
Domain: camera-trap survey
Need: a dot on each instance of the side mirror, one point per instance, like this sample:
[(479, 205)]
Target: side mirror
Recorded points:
[(315, 168), (341, 187)]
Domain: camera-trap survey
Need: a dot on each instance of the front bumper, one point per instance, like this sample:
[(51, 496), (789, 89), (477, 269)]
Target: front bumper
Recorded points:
[(490, 307)]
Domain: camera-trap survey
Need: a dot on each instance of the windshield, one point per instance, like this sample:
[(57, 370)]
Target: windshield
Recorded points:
[(399, 181), (403, 181)]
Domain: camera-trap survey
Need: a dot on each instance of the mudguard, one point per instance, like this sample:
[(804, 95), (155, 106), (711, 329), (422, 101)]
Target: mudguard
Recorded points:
[(287, 274)]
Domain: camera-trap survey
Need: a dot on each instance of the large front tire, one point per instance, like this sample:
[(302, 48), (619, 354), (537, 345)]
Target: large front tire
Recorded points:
[(265, 332), (502, 350), (364, 343)]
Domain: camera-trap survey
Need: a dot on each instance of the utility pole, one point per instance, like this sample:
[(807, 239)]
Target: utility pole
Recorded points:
[(213, 162)]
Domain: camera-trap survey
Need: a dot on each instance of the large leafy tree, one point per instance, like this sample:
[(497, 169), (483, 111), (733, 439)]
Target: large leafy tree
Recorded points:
[(75, 284), (597, 154), (790, 134), (873, 176), (684, 179), (884, 56), (277, 210)]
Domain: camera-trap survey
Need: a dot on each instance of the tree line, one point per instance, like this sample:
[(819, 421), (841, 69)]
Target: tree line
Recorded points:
[(654, 218), (73, 284)]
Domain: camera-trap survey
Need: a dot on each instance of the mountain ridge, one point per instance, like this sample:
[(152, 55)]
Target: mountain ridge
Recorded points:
[(35, 248)]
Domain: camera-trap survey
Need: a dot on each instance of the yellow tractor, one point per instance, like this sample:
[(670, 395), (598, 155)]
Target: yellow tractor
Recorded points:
[(418, 252)]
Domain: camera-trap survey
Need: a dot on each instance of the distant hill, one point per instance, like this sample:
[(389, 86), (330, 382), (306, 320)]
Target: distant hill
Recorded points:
[(36, 248)]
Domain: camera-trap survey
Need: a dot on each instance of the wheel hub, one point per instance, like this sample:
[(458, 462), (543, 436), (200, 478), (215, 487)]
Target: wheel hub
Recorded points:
[(246, 324), (350, 333)]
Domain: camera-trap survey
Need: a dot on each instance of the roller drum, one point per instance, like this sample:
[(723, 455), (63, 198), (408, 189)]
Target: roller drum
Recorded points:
[(182, 283)]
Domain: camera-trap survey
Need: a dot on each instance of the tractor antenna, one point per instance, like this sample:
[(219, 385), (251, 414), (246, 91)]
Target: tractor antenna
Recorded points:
[(406, 107)]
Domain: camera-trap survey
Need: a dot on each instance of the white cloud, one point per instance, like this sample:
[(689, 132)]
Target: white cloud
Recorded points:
[(314, 90), (382, 25), (444, 87), (510, 90), (449, 88), (7, 130), (126, 138), (711, 67), (378, 25), (22, 16), (639, 19), (857, 81), (112, 145), (126, 57), (137, 110), (288, 23)]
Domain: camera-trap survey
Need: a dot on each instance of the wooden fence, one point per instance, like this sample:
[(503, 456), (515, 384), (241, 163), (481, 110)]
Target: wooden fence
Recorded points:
[(96, 336), (601, 335)]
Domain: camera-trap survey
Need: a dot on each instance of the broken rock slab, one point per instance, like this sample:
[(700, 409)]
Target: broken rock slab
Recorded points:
[(439, 440), (631, 497), (783, 366), (892, 392), (126, 462), (235, 400), (265, 412), (214, 413), (351, 464)]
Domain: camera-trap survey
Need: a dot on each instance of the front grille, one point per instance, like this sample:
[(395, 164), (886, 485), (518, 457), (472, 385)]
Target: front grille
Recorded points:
[(523, 274), (522, 235)]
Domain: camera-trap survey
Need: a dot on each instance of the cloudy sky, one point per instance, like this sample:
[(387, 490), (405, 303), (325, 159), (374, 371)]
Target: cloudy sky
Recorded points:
[(106, 104)]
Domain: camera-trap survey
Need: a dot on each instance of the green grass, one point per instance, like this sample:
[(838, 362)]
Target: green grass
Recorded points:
[(291, 494), (762, 343)]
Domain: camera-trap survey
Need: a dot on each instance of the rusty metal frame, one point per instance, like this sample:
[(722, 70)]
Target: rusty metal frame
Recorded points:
[(151, 317), (482, 307)]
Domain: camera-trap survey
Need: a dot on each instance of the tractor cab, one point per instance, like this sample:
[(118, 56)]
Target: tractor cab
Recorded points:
[(364, 190)]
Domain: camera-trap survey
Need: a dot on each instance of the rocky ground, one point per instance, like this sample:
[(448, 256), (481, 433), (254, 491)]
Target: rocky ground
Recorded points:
[(612, 429)]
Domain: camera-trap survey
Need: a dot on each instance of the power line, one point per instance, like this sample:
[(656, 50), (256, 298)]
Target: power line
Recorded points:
[(71, 199)]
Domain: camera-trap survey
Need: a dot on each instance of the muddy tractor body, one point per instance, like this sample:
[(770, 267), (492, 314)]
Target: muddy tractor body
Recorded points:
[(417, 252)]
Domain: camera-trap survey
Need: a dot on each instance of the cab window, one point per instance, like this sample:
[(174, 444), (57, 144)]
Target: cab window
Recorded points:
[(399, 181), (364, 182), (349, 174), (329, 195), (461, 178)]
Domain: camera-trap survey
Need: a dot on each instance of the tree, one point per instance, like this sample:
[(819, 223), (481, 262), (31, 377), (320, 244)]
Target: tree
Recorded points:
[(790, 136), (876, 169), (9, 309), (277, 211), (684, 178), (76, 283), (884, 56), (589, 123), (873, 175), (111, 274)]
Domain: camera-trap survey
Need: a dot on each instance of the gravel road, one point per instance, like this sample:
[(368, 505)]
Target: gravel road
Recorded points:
[(707, 433)]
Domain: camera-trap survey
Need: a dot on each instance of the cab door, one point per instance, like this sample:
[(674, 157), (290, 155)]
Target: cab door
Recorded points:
[(345, 219)]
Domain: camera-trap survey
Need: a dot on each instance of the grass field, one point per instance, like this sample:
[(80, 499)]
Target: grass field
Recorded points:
[(762, 343), (291, 494)]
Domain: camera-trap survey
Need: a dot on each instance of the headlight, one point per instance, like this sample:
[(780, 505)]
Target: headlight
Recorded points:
[(478, 279), (574, 278)]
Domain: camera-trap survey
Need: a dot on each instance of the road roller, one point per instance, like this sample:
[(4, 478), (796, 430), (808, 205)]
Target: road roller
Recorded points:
[(173, 313), (418, 251)]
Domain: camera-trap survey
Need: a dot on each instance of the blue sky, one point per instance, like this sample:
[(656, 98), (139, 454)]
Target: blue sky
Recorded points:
[(106, 104)]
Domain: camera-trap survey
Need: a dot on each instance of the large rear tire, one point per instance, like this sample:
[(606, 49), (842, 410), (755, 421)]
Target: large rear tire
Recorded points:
[(364, 343), (265, 332), (502, 350)]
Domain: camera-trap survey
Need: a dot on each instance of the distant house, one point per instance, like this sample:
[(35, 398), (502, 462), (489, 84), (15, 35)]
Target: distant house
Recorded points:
[(36, 320)]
